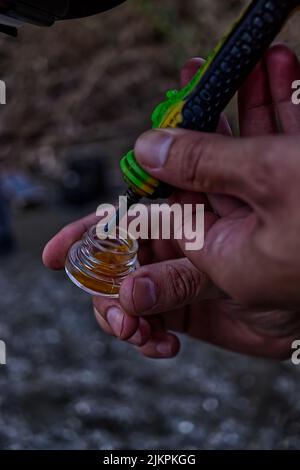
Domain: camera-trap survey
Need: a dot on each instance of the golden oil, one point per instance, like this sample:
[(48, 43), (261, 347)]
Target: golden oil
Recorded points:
[(99, 266)]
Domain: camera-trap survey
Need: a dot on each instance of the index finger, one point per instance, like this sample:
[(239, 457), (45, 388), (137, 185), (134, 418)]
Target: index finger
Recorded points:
[(57, 248)]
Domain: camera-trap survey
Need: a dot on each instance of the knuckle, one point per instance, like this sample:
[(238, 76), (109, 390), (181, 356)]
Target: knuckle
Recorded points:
[(182, 282), (278, 323)]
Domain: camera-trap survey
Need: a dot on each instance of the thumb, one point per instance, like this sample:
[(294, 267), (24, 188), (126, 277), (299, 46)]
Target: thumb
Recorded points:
[(201, 162), (165, 286)]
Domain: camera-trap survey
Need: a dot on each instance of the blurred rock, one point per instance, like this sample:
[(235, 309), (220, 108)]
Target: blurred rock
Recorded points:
[(84, 179), (22, 192)]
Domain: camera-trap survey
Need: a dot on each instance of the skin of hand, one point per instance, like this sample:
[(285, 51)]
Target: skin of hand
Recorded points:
[(252, 224)]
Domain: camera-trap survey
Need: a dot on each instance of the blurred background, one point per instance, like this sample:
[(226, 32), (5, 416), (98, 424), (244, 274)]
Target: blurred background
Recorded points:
[(78, 96)]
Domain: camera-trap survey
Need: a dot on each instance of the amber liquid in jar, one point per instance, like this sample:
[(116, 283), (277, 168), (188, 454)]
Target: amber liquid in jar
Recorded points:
[(99, 266)]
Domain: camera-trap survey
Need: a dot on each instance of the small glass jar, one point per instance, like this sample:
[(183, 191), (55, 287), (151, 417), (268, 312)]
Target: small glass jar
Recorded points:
[(100, 266)]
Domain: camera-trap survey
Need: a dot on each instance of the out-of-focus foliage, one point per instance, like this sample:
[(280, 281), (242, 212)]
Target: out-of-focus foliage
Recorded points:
[(98, 79)]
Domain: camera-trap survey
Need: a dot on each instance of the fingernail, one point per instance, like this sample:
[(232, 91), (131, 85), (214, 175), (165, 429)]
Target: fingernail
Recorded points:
[(165, 349), (136, 339), (152, 148), (115, 319), (144, 294)]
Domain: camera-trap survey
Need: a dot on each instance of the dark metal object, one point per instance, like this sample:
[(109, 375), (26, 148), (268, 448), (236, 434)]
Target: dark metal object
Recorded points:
[(46, 12)]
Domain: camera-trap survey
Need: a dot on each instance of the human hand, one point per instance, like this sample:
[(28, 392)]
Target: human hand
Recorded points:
[(252, 249), (164, 258), (257, 232), (182, 290)]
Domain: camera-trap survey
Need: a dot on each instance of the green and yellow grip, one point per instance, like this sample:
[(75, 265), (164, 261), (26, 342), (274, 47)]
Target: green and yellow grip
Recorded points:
[(198, 106)]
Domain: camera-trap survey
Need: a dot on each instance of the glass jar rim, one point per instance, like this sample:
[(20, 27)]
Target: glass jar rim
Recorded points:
[(98, 242)]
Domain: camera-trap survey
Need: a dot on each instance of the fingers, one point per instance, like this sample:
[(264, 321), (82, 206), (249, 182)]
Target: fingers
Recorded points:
[(189, 70), (161, 346), (211, 164), (283, 69), (256, 111), (149, 337), (114, 321), (56, 250), (266, 95), (165, 286)]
